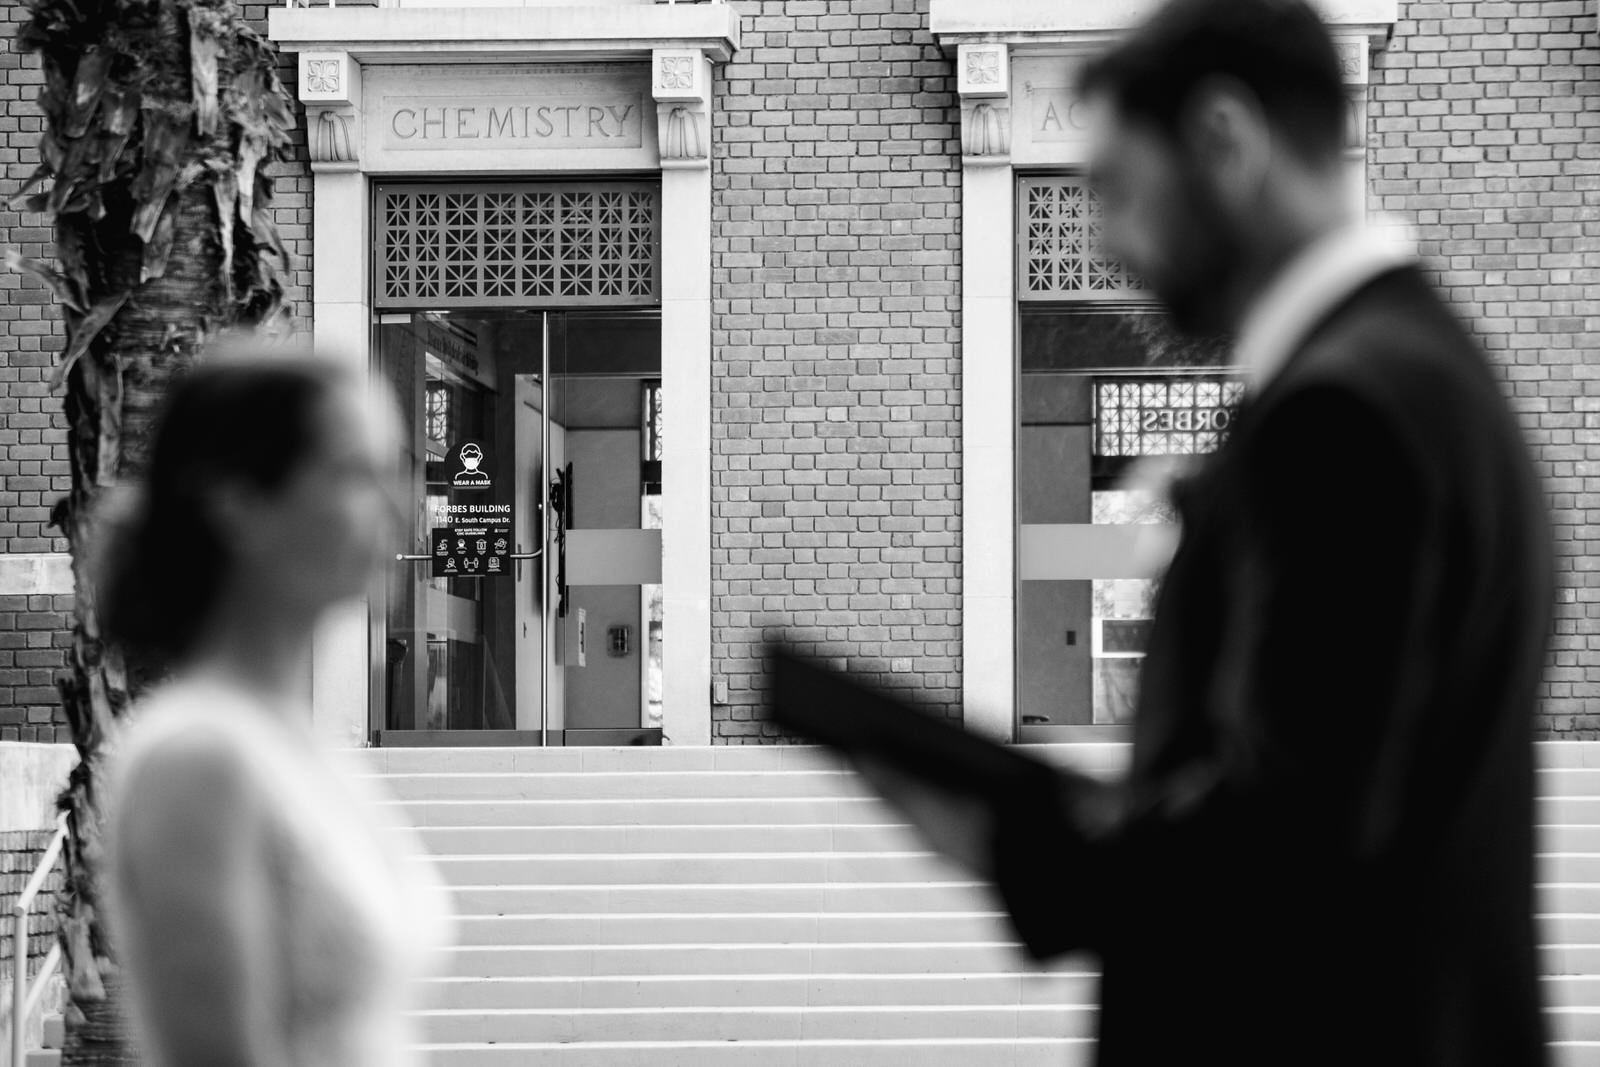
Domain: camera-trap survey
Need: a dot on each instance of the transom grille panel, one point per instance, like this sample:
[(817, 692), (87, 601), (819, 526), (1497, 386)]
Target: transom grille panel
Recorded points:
[(524, 245), (1059, 249)]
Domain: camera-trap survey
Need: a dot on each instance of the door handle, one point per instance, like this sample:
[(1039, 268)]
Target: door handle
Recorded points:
[(519, 556)]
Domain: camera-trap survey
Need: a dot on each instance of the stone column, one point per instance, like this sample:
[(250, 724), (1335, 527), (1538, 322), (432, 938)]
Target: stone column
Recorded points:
[(988, 392), (330, 87), (681, 83)]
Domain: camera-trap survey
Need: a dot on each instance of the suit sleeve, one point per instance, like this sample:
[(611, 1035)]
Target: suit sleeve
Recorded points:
[(1317, 689)]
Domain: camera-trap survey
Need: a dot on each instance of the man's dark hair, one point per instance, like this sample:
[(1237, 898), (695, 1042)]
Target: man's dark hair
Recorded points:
[(1278, 49)]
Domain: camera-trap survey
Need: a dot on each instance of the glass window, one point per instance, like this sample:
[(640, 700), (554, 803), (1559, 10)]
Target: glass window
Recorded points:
[(1100, 388)]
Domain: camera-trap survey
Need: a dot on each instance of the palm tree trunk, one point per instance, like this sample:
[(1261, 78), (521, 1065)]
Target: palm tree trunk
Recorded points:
[(160, 115)]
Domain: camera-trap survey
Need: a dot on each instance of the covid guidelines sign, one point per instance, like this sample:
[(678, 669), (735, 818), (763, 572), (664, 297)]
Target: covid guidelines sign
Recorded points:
[(471, 535), (472, 541)]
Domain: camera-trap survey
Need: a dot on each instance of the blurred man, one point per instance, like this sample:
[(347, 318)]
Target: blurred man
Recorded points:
[(1323, 852)]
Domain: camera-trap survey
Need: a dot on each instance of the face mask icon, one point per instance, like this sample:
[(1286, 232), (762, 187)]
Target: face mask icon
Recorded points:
[(469, 476)]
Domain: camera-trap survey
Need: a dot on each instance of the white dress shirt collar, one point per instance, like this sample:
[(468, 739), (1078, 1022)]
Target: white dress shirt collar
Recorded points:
[(1314, 281)]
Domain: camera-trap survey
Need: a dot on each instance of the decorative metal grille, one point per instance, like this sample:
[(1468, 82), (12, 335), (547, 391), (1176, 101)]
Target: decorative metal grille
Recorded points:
[(652, 421), (1059, 246), (1164, 416), (438, 412), (522, 245)]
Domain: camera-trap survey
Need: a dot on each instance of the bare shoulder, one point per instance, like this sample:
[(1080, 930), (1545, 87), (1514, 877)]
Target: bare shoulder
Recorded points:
[(183, 766)]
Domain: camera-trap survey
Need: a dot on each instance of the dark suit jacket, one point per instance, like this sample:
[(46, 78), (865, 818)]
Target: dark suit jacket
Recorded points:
[(1323, 852)]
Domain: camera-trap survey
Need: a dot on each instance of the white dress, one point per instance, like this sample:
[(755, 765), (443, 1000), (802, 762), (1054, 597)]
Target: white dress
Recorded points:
[(358, 913)]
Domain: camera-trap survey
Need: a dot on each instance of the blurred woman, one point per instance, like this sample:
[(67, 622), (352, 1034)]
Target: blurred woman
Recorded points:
[(264, 909)]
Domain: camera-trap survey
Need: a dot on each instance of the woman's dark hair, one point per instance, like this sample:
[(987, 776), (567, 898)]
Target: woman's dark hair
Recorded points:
[(1278, 49), (250, 421)]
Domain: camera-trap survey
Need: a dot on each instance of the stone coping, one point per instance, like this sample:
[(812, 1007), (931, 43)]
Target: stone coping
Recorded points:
[(1088, 21), (507, 34)]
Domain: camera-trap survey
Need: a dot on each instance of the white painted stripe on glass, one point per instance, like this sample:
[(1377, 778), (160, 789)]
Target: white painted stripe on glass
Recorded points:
[(1059, 552), (613, 557)]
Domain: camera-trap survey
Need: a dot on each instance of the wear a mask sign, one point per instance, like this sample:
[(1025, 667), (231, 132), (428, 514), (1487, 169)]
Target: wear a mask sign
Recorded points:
[(472, 537)]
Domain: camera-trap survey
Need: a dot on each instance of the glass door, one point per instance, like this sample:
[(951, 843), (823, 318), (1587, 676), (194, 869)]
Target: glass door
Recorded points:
[(526, 609), (605, 433)]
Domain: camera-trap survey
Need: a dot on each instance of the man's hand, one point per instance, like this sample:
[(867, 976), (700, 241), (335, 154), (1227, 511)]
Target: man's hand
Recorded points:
[(955, 824)]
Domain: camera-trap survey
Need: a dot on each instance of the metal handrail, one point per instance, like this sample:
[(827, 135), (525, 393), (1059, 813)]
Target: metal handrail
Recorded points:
[(24, 999)]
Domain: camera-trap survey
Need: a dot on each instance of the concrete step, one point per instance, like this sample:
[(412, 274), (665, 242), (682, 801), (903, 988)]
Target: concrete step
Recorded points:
[(1569, 929), (802, 868), (55, 1031), (814, 928), (758, 1024), (757, 958), (1570, 959), (631, 759), (992, 1052), (1074, 982), (1568, 898), (1582, 898), (1092, 757), (738, 868), (1581, 781), (764, 811), (1571, 811), (893, 897), (582, 961), (887, 836), (726, 928), (1579, 1023), (1570, 867), (1553, 784), (859, 808), (815, 1023), (42, 1057), (1568, 838), (1567, 753), (628, 785), (709, 839)]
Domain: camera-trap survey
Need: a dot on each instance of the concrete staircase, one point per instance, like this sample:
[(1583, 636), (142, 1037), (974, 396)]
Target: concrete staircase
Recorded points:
[(710, 907), (757, 906)]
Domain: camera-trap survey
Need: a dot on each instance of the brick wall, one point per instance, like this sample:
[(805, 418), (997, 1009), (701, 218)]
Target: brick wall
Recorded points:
[(19, 854), (835, 383), (34, 638), (33, 460), (1485, 127), (836, 191)]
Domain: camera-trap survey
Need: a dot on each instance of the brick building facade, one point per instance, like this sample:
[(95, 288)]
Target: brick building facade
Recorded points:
[(836, 330), (836, 354)]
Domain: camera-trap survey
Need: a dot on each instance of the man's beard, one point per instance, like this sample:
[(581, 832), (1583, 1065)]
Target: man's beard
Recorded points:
[(1203, 258)]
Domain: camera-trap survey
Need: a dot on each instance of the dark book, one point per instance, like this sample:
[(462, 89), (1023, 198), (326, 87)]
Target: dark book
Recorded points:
[(828, 707)]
